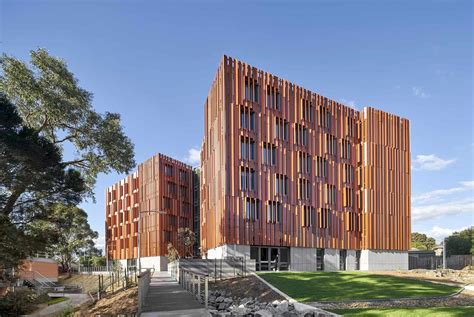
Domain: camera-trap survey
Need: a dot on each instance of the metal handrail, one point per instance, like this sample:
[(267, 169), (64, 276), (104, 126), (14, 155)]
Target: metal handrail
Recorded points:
[(191, 281)]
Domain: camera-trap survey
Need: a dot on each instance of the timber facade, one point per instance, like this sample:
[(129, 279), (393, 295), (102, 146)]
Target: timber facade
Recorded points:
[(286, 167)]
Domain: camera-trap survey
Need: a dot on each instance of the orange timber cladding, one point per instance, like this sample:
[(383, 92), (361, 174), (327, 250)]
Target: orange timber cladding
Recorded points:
[(366, 155), (160, 184)]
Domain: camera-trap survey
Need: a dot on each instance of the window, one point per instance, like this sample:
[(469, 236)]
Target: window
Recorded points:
[(166, 202), (167, 236), (269, 154), (183, 192), (330, 194), (185, 207), (247, 178), (172, 219), (304, 189), (331, 144), (346, 149), (171, 189), (251, 89), (247, 148), (251, 210), (304, 163), (319, 259), (351, 127), (306, 110), (247, 119), (183, 176), (348, 174), (324, 117), (308, 216), (348, 197), (168, 170), (321, 167), (324, 217), (281, 129), (273, 98), (274, 212), (352, 223), (301, 135), (281, 185)]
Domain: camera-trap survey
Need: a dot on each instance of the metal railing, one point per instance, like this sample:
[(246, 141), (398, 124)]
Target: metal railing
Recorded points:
[(144, 279), (195, 283)]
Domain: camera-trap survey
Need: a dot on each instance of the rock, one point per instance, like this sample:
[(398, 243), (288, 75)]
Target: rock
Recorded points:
[(228, 300), (263, 313), (289, 314), (212, 298), (283, 306), (240, 311), (275, 302), (213, 312), (219, 299), (222, 306)]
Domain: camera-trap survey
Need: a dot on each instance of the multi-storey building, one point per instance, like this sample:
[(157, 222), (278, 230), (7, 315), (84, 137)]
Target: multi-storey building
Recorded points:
[(160, 194), (297, 181)]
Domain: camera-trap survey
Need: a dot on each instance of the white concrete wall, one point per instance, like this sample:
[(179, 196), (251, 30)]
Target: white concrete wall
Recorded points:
[(229, 250), (383, 260), (351, 260), (159, 263), (303, 259), (331, 260)]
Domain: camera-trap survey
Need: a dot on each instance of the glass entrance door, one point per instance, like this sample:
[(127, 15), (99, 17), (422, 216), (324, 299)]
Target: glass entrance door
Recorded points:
[(270, 258)]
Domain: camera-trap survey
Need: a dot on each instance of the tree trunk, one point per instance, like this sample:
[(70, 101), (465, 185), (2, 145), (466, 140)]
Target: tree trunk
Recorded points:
[(8, 208)]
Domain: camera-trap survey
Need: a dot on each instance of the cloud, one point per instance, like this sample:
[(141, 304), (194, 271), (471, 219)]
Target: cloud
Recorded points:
[(100, 243), (349, 103), (194, 156), (430, 162), (436, 210), (440, 233), (437, 195), (418, 92)]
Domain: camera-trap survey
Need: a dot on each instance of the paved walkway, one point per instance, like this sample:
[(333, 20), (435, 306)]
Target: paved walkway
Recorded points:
[(167, 298), (74, 300)]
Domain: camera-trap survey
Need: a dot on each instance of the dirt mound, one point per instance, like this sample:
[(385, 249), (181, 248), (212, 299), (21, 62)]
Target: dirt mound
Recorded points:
[(122, 302)]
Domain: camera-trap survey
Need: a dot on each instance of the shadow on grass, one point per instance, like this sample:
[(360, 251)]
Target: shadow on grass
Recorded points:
[(336, 286)]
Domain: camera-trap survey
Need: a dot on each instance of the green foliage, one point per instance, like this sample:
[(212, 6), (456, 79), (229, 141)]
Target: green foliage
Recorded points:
[(22, 301), (459, 243), (307, 286), (32, 177), (94, 260), (187, 238), (172, 254), (56, 300), (51, 102), (421, 242), (74, 234)]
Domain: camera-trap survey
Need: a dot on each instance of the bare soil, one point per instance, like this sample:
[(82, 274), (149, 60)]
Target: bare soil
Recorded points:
[(121, 302), (245, 287)]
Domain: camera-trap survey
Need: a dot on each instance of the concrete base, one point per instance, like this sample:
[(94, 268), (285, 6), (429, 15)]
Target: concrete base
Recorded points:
[(227, 250), (383, 260), (159, 263), (304, 259)]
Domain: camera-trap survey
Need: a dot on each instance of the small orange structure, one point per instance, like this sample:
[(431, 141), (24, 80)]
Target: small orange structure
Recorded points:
[(39, 269)]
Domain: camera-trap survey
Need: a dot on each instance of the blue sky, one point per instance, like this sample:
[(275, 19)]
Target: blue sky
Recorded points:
[(153, 62)]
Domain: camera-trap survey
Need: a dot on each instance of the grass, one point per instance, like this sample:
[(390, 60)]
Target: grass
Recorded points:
[(338, 286), (56, 300), (409, 312)]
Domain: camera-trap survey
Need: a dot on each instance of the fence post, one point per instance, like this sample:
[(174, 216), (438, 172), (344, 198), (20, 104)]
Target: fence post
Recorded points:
[(199, 287), (206, 291)]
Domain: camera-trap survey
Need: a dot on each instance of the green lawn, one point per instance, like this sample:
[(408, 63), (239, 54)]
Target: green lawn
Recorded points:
[(56, 300), (337, 286), (409, 312)]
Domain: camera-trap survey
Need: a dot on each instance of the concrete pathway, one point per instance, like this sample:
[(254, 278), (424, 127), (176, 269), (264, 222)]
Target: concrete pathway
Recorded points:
[(167, 298), (74, 300)]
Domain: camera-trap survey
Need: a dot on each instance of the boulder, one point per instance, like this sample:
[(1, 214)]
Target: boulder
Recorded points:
[(263, 313), (219, 299), (276, 302), (222, 306)]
